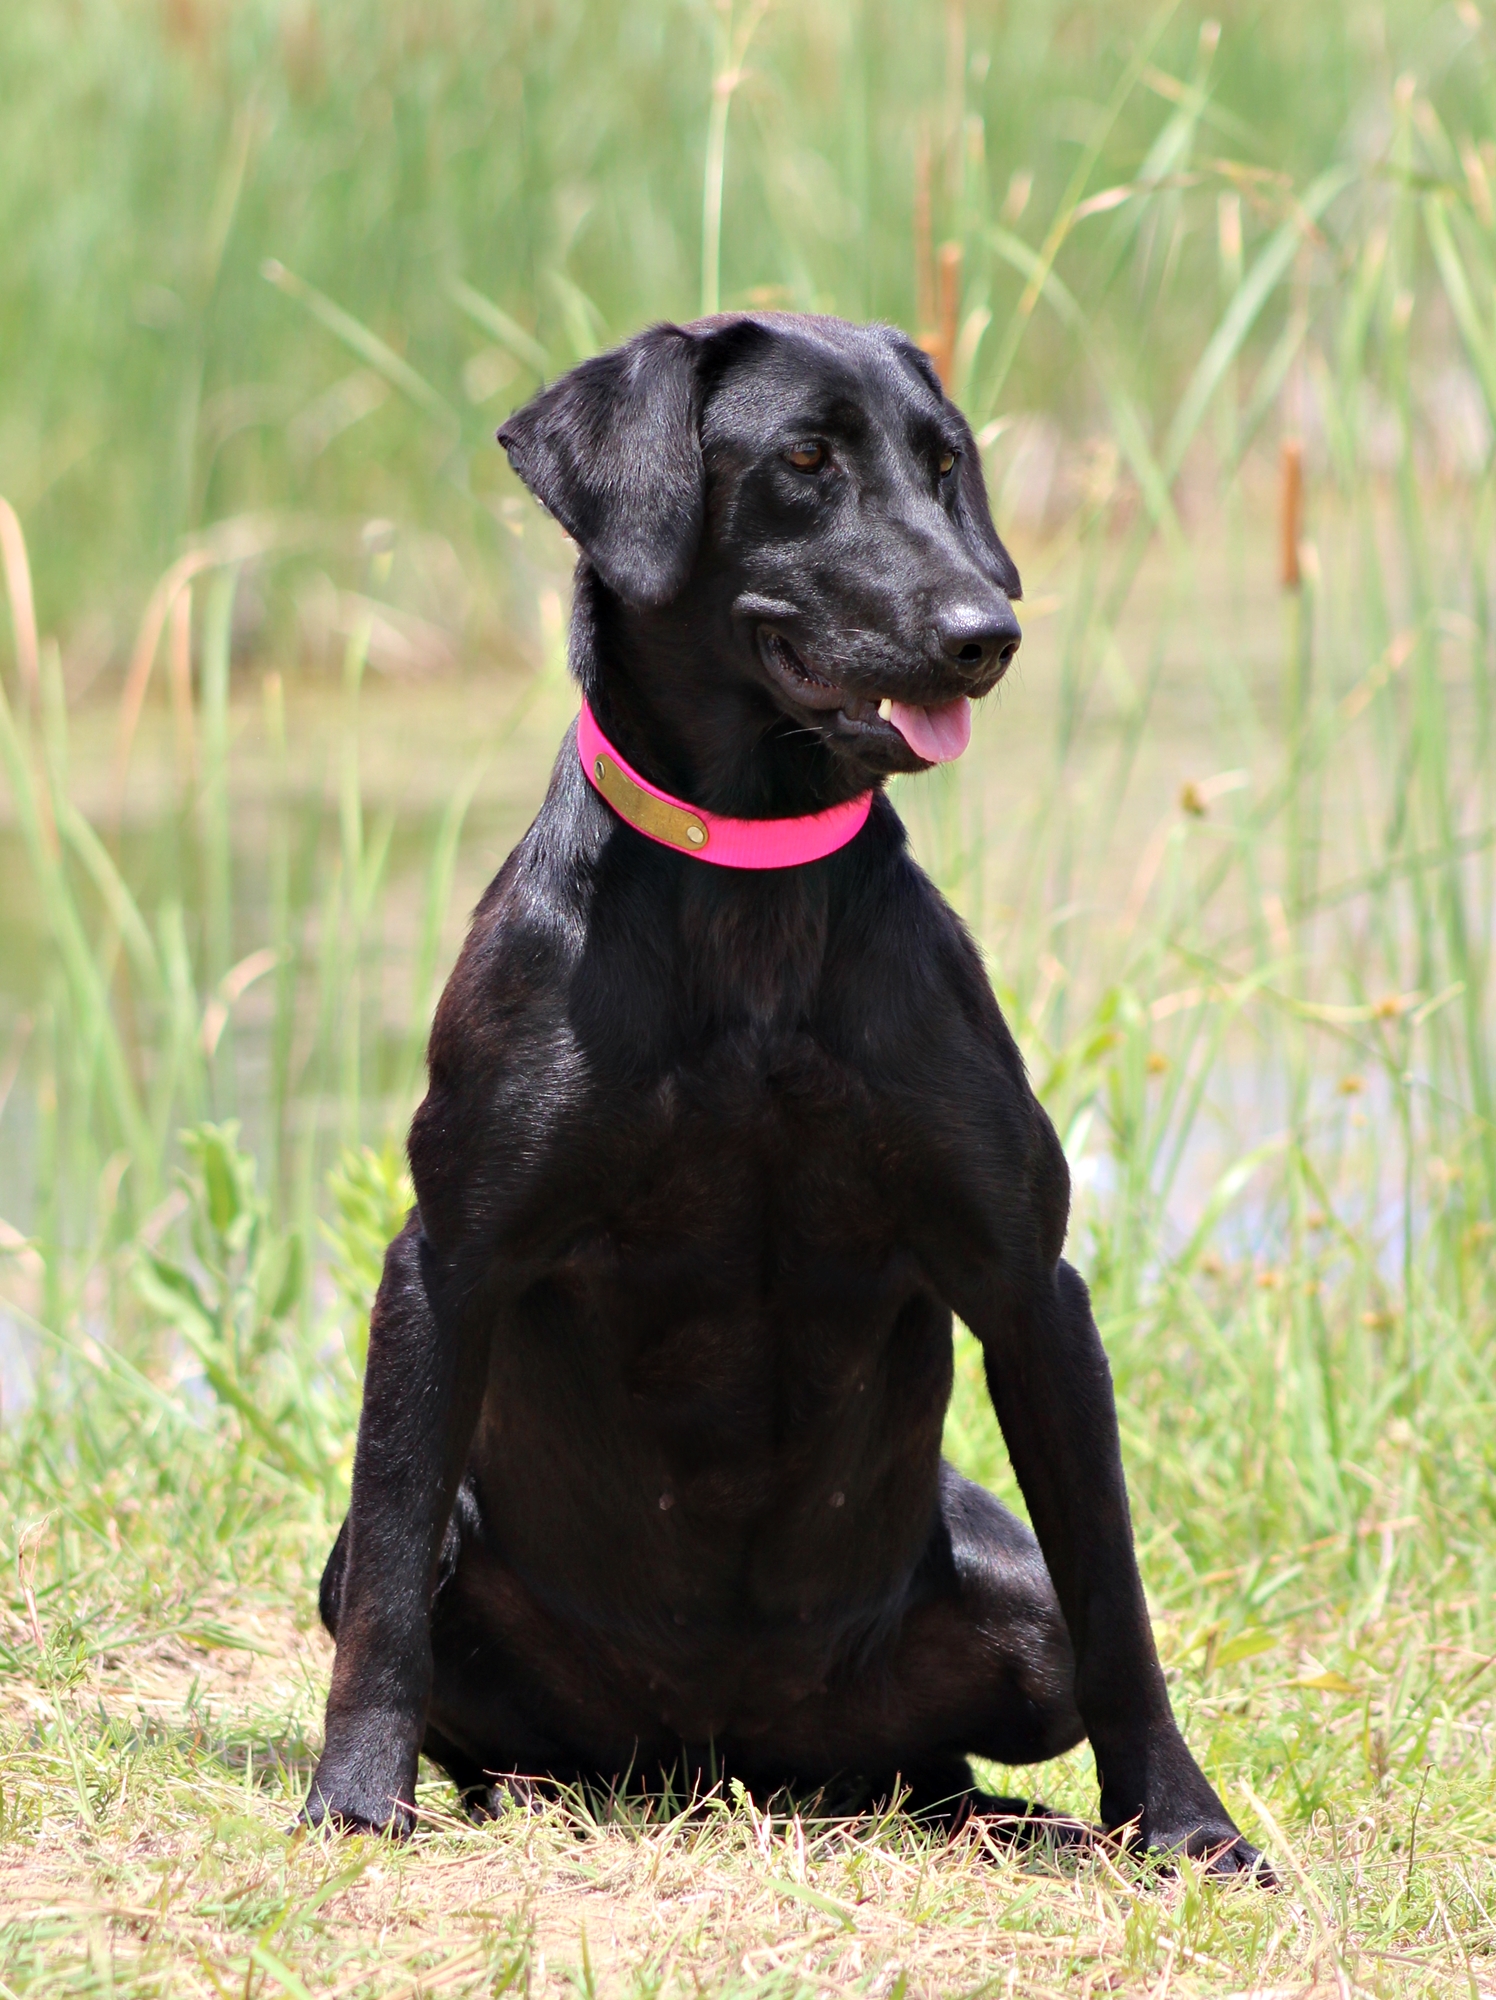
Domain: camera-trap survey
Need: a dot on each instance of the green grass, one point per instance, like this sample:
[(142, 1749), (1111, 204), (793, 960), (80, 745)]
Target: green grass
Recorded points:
[(1231, 851)]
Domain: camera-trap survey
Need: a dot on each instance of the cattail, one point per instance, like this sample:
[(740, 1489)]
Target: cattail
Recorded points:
[(179, 656), (1290, 510), (924, 258), (949, 275)]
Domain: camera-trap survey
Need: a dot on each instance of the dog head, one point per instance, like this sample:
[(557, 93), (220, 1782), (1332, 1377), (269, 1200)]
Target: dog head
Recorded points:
[(798, 495)]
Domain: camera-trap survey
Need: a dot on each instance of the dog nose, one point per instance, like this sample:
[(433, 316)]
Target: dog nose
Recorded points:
[(973, 636)]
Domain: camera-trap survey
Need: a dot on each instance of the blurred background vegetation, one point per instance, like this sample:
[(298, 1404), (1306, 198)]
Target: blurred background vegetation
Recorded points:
[(284, 676), (549, 155)]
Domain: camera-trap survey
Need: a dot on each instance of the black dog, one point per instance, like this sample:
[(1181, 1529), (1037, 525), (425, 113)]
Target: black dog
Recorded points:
[(648, 1471)]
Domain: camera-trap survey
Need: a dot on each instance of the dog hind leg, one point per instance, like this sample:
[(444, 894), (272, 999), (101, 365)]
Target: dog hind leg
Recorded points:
[(330, 1590), (979, 1665)]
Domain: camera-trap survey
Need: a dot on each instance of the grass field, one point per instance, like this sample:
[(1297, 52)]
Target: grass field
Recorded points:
[(283, 681)]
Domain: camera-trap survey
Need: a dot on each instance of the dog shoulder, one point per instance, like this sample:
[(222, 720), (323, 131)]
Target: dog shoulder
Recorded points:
[(504, 1066), (506, 996), (912, 975), (923, 1027), (916, 1013)]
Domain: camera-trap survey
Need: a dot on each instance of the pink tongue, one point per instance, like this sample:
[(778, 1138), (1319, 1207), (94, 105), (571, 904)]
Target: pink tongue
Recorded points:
[(937, 734)]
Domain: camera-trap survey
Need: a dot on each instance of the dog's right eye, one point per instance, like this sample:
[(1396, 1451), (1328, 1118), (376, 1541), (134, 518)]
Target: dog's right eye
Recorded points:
[(807, 457)]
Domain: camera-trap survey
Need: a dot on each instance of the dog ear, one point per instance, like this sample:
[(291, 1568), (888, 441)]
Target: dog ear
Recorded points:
[(976, 516), (613, 450)]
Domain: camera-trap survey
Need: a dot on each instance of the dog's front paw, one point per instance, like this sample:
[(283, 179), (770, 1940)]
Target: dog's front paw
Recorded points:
[(1225, 1852), (1210, 1838), (1181, 1814), (349, 1794)]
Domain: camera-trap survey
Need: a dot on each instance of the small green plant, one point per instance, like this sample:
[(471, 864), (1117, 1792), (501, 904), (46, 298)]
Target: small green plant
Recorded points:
[(235, 1300), (251, 1275)]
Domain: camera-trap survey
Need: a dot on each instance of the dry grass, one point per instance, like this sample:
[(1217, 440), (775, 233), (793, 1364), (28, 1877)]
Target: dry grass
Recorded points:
[(147, 1800)]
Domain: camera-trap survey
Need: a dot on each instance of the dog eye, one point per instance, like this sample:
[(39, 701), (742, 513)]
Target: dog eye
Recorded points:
[(947, 463), (807, 457)]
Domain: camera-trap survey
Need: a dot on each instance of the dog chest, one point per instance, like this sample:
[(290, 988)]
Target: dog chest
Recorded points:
[(727, 1391)]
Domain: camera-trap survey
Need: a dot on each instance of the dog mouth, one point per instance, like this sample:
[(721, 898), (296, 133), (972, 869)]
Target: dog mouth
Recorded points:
[(936, 732)]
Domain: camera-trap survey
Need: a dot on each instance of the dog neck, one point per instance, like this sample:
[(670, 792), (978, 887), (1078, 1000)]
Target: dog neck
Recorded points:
[(671, 689), (715, 838)]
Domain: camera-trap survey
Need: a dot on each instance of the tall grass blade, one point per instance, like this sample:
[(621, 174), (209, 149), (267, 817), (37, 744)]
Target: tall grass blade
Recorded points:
[(369, 348)]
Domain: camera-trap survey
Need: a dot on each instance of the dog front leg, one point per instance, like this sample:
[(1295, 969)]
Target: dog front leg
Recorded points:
[(1052, 1389), (422, 1388)]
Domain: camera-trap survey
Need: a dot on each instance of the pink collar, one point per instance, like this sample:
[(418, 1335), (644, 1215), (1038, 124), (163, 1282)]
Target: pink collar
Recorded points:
[(731, 843)]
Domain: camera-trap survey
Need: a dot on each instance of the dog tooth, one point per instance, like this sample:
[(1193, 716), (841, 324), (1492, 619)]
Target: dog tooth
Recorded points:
[(885, 708)]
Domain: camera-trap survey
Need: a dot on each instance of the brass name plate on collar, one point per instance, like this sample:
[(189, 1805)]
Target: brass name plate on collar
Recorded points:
[(675, 824)]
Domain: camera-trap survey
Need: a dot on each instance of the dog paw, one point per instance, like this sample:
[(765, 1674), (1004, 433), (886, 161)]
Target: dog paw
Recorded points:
[(347, 1808), (1227, 1854), (505, 1792), (1024, 1823), (1181, 1815)]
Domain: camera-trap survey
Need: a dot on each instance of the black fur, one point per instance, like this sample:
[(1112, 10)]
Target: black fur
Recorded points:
[(648, 1472)]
